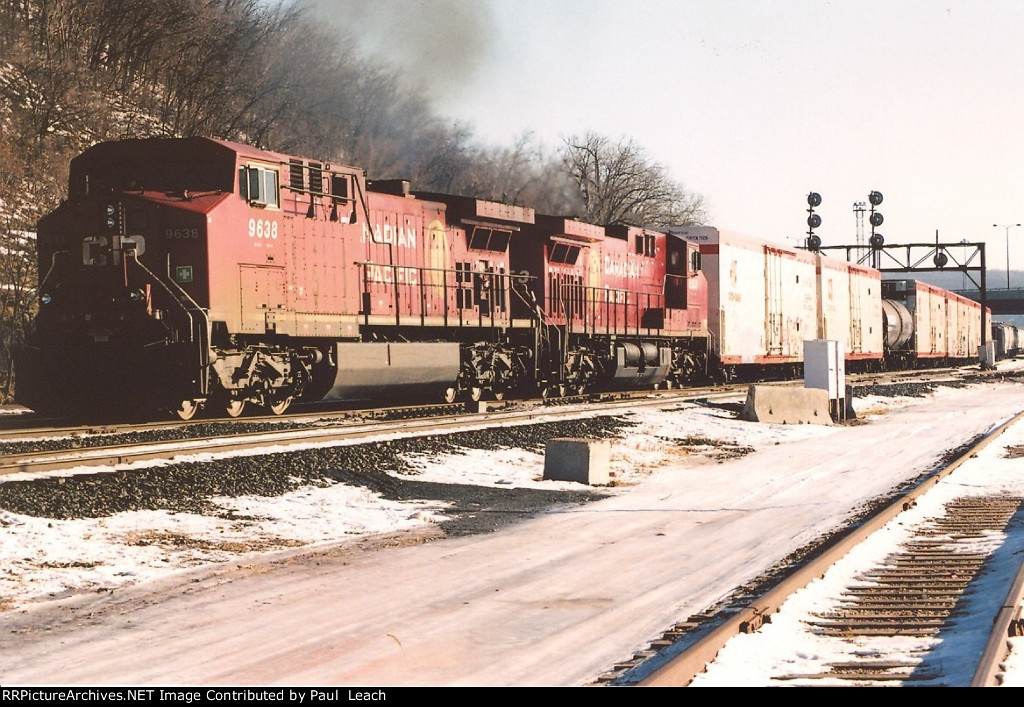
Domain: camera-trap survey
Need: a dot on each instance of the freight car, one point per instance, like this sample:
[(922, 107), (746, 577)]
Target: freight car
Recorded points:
[(765, 300), (926, 325), (1007, 338)]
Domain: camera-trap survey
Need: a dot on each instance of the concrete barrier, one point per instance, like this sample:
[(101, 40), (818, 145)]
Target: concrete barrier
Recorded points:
[(786, 404), (585, 461)]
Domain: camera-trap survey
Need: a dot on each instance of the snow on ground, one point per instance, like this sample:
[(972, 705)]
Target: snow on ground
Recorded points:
[(758, 659), (44, 559)]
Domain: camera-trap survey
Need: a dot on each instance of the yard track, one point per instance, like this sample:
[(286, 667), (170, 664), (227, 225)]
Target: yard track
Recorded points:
[(916, 591)]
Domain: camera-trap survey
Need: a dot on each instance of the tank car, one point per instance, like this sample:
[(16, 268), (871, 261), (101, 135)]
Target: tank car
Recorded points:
[(1007, 339)]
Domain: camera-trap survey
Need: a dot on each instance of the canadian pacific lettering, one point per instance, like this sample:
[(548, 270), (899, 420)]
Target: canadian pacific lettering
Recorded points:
[(403, 237)]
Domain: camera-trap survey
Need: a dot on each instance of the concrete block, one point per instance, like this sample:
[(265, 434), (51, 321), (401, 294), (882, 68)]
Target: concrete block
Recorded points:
[(786, 404), (586, 461)]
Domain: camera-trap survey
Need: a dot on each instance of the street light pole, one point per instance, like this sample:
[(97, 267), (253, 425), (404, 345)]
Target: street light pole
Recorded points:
[(1007, 227)]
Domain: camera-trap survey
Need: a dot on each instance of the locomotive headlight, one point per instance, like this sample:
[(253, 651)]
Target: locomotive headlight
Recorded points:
[(111, 216), (45, 298)]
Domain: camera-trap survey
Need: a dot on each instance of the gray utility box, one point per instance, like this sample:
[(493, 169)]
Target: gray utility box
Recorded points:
[(987, 354), (825, 367)]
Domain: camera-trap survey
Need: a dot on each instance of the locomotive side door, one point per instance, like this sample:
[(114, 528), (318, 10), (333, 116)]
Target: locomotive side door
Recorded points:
[(773, 301), (856, 315), (262, 293), (676, 282)]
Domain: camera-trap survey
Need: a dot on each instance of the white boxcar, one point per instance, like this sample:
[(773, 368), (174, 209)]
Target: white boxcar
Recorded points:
[(848, 309), (762, 297), (931, 318), (965, 328)]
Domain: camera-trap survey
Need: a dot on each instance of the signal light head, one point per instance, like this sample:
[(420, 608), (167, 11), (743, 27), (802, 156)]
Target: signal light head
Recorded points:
[(875, 198)]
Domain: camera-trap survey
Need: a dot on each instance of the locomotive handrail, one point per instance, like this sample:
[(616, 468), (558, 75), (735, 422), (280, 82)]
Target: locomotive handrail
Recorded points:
[(198, 332), (366, 213), (203, 328), (53, 264), (505, 281), (631, 300)]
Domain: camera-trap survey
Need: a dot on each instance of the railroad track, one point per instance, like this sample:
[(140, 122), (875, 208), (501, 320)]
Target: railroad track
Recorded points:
[(918, 592), (120, 451), (17, 433)]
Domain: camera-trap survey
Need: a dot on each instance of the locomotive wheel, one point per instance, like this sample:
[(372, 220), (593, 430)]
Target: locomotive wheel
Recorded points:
[(280, 406), (187, 410), (475, 393), (234, 408), (562, 390), (450, 394), (499, 395)]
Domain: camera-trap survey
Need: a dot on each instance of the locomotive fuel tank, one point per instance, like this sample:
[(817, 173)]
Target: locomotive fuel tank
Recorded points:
[(641, 364), (367, 371)]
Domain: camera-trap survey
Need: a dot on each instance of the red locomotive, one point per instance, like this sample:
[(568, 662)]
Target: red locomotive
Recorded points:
[(189, 273)]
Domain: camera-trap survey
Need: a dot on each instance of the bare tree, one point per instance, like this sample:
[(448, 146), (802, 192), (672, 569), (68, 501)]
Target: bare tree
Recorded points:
[(17, 264), (524, 174), (619, 184)]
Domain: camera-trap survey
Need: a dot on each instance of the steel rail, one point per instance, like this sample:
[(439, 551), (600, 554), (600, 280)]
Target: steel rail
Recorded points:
[(681, 669), (1008, 623), (168, 449)]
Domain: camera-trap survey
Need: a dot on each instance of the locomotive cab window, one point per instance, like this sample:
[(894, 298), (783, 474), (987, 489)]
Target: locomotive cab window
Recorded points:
[(492, 239), (340, 198), (563, 253), (645, 245), (259, 186), (339, 188)]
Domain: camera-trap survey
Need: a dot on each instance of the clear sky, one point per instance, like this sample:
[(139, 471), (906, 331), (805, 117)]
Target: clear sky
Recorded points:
[(749, 102)]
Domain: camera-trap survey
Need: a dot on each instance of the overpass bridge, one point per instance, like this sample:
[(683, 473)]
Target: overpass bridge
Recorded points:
[(999, 300), (964, 257)]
